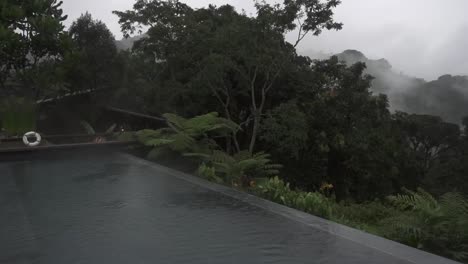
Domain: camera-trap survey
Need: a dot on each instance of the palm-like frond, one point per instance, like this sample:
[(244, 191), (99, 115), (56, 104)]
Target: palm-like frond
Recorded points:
[(87, 126), (416, 201), (407, 228), (242, 164), (176, 122), (188, 135), (145, 135), (436, 225), (158, 142), (454, 205)]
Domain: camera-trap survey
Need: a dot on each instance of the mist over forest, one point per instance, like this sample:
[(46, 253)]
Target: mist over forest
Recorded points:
[(446, 97)]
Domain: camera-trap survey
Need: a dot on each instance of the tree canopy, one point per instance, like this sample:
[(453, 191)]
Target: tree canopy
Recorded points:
[(31, 31)]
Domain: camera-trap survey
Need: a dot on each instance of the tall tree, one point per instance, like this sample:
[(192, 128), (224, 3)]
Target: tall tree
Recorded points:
[(336, 131), (229, 57), (31, 33), (91, 63)]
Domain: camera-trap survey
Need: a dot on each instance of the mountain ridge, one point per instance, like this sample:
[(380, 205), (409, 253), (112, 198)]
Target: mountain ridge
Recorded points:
[(447, 96)]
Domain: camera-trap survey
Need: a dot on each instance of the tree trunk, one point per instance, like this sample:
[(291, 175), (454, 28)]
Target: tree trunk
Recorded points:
[(253, 139)]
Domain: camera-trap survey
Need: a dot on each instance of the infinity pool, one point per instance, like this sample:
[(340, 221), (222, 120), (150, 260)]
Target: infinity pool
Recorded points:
[(106, 207)]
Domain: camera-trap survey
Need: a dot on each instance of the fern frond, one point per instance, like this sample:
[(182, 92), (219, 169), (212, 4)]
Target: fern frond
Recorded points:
[(111, 129), (273, 166), (406, 228), (248, 164), (182, 142), (176, 122), (87, 126), (158, 142), (221, 157), (460, 255), (416, 201), (144, 135), (209, 173), (242, 155), (203, 156), (271, 172), (454, 205)]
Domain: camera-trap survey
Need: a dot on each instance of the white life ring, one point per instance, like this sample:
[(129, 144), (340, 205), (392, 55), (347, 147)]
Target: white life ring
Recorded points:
[(32, 134)]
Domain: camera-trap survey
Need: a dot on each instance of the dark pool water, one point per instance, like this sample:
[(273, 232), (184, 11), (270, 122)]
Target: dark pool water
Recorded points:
[(106, 208)]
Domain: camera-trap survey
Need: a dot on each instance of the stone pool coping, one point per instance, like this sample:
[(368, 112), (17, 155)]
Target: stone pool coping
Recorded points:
[(386, 246), (24, 149)]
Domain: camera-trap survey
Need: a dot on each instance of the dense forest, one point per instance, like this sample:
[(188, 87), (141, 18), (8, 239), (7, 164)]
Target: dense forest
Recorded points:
[(349, 139)]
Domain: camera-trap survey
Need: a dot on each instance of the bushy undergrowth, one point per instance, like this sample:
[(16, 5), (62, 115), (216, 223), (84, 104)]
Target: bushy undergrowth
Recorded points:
[(417, 218)]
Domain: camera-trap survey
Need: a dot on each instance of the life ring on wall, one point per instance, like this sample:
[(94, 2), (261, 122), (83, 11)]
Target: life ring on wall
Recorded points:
[(32, 135)]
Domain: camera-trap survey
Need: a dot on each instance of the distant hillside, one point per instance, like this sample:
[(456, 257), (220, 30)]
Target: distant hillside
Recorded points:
[(446, 97), (127, 43)]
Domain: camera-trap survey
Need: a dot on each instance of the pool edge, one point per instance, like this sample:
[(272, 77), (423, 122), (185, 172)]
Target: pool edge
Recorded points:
[(381, 244)]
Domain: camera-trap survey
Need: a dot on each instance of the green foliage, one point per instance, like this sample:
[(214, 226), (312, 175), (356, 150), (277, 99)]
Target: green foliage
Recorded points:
[(415, 218), (428, 137), (278, 191), (436, 225), (187, 135), (286, 129), (30, 31), (366, 216), (238, 169), (209, 173), (90, 63), (17, 116), (203, 125), (220, 59)]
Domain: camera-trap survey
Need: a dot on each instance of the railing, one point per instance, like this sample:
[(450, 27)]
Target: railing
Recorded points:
[(126, 112)]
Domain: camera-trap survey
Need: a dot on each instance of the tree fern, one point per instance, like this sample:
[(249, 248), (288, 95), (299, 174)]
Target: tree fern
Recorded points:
[(209, 173), (240, 166), (440, 226), (455, 205), (420, 201), (187, 135)]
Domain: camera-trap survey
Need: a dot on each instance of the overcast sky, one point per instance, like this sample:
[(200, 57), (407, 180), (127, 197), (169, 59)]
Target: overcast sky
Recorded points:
[(423, 38)]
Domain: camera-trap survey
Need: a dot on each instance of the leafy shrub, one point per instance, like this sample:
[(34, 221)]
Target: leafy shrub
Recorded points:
[(439, 226), (413, 218), (366, 216), (208, 173), (278, 191)]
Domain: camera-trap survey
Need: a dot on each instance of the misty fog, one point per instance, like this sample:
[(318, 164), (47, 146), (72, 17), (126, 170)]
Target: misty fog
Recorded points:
[(420, 40), (424, 38)]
